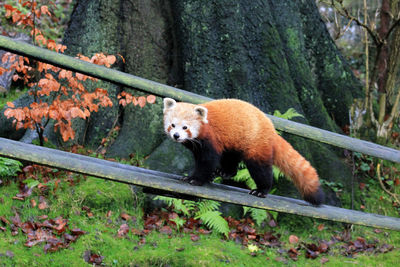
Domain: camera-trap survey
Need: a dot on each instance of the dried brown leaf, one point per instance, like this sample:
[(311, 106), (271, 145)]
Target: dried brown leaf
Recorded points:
[(293, 239)]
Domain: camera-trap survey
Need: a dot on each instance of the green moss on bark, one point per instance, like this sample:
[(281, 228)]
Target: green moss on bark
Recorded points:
[(94, 28)]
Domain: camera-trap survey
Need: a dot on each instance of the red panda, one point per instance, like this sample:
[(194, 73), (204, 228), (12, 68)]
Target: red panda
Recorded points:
[(221, 133)]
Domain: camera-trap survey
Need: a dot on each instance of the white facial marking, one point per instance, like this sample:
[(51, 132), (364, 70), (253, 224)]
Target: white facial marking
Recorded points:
[(181, 130), (182, 121)]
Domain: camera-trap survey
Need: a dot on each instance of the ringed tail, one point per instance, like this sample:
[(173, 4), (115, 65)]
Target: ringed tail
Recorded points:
[(295, 166)]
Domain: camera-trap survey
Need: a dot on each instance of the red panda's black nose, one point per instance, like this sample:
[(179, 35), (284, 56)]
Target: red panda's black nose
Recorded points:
[(176, 136)]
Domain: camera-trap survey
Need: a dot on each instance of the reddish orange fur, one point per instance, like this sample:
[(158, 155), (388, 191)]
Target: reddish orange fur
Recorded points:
[(189, 133), (238, 125)]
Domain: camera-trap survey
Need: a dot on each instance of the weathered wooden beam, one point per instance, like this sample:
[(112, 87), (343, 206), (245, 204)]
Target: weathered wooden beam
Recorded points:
[(101, 72), (122, 78), (164, 90), (171, 183)]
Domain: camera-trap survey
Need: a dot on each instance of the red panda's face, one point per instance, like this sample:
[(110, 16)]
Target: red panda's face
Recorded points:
[(183, 121)]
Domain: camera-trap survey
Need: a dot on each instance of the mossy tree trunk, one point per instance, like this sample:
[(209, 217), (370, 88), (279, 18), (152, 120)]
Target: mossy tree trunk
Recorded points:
[(139, 31), (275, 54)]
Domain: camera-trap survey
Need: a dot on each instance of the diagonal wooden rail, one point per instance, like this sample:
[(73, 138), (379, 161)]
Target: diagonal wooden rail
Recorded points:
[(122, 78), (171, 183)]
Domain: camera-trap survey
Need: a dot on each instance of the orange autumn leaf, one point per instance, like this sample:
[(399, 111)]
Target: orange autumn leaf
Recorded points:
[(5, 57), (111, 59), (61, 48), (10, 104), (123, 59), (51, 44), (16, 17), (45, 10), (77, 112), (122, 102), (40, 38), (151, 99), (81, 76), (293, 239), (141, 101), (49, 76)]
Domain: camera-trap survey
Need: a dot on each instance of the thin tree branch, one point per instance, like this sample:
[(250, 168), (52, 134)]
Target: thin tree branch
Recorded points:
[(371, 111), (393, 113), (393, 195), (340, 34), (344, 12), (367, 87), (392, 27)]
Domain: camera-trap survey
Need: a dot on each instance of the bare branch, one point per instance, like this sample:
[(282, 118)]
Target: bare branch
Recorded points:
[(345, 13), (340, 34), (393, 113), (371, 111), (394, 25), (393, 195)]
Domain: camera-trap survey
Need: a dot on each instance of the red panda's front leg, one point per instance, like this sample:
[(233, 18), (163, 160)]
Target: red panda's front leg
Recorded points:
[(206, 160)]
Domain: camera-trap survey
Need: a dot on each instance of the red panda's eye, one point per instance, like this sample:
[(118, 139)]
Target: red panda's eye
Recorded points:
[(184, 127), (173, 125)]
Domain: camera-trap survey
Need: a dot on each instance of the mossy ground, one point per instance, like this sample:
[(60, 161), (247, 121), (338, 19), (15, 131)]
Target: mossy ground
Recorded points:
[(159, 249), (12, 95)]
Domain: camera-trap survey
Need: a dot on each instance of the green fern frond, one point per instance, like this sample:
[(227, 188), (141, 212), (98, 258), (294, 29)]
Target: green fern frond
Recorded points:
[(258, 215), (277, 173), (243, 176), (289, 114), (205, 206), (215, 221), (190, 205), (178, 204), (218, 180), (168, 200)]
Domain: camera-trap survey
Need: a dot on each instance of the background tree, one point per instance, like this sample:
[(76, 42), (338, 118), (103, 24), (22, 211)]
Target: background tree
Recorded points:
[(380, 25)]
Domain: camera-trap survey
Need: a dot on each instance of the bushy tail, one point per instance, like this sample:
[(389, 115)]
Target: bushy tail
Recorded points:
[(303, 175)]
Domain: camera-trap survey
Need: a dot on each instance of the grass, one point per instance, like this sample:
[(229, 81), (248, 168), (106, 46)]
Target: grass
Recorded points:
[(104, 198), (11, 96)]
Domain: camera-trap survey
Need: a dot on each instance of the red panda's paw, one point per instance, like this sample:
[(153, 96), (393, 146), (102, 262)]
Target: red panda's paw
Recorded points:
[(192, 180), (257, 193), (186, 179), (224, 174), (196, 182)]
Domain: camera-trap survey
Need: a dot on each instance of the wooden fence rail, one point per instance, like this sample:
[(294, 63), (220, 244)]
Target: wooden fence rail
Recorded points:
[(125, 79), (171, 183)]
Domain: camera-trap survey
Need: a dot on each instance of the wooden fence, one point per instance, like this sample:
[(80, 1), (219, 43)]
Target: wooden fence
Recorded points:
[(171, 183)]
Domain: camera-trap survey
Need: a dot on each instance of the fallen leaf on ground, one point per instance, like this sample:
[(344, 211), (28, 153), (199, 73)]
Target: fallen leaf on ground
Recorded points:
[(293, 239)]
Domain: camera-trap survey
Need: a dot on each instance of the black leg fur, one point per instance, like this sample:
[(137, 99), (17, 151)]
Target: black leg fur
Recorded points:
[(206, 161), (229, 164), (262, 176)]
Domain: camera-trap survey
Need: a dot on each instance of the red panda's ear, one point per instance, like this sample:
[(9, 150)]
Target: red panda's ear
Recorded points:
[(202, 111), (169, 103)]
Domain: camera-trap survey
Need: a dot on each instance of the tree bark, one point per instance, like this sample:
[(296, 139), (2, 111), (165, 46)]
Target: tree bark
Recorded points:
[(139, 31), (94, 27), (274, 54)]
